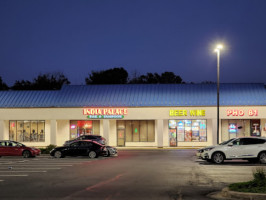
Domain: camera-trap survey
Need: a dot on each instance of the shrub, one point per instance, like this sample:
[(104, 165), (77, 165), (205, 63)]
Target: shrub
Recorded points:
[(47, 149), (259, 174), (257, 185)]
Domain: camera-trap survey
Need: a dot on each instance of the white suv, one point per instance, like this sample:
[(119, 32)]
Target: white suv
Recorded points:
[(247, 148)]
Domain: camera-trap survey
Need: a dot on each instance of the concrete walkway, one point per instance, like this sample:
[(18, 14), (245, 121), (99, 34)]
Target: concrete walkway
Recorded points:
[(227, 194)]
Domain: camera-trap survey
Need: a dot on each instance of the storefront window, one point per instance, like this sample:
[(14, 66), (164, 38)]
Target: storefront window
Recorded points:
[(255, 127), (84, 127), (129, 131), (187, 131), (233, 128), (27, 131), (137, 130), (41, 128), (143, 131), (12, 130)]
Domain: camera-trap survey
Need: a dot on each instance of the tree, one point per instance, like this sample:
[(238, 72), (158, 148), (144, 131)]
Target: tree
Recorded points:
[(170, 77), (153, 78), (134, 77), (22, 85), (3, 86), (49, 81), (110, 76), (208, 82)]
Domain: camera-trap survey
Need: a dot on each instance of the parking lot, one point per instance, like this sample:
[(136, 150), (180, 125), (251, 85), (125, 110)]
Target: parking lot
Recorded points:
[(11, 167), (134, 174), (229, 171)]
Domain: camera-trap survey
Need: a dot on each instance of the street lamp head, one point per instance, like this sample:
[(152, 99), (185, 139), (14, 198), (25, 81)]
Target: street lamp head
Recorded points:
[(218, 48)]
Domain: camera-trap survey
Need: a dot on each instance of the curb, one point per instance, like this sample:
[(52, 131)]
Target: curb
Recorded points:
[(228, 194), (157, 148)]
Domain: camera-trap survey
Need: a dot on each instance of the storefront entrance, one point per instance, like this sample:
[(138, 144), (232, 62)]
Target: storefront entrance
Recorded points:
[(233, 128), (135, 131), (121, 137), (84, 127), (172, 138)]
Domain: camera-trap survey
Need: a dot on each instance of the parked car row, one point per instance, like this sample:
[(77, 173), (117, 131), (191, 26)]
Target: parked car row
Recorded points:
[(87, 145), (252, 149)]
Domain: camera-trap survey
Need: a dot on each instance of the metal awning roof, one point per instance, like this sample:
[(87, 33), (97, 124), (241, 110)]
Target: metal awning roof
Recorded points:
[(138, 95)]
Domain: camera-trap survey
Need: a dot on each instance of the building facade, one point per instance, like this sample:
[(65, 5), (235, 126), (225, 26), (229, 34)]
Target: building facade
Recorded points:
[(134, 115)]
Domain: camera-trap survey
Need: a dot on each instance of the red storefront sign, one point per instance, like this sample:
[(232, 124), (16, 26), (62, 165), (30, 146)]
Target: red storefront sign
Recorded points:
[(240, 112)]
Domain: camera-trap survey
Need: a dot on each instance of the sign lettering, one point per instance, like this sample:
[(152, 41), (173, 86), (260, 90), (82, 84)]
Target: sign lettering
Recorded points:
[(240, 112), (179, 113), (105, 113)]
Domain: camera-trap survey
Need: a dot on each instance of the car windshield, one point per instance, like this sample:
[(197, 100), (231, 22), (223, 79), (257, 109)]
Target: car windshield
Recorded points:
[(226, 142)]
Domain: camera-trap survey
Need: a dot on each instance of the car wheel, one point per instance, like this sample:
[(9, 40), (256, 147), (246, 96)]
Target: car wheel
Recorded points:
[(26, 154), (218, 158), (108, 153), (92, 154), (262, 157), (58, 154)]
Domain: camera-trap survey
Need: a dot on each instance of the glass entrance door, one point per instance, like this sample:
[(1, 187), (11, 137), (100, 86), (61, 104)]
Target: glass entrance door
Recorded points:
[(121, 137), (172, 137)]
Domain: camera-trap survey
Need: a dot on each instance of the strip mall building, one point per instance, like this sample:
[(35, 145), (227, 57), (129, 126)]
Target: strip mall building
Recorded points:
[(161, 115)]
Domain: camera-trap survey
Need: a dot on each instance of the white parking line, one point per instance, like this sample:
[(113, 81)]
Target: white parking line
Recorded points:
[(33, 165), (53, 162), (1, 180), (22, 175), (1, 168), (13, 161), (12, 171)]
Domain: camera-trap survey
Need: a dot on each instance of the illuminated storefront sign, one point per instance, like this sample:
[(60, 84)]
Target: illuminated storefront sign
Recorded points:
[(240, 112), (179, 113), (105, 113)]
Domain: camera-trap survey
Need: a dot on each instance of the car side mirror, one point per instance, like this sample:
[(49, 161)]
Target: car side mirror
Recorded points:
[(230, 144)]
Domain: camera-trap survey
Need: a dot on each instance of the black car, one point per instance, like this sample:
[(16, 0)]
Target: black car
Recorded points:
[(96, 138), (89, 148)]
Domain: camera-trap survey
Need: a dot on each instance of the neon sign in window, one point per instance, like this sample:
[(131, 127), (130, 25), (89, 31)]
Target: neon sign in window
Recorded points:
[(232, 128)]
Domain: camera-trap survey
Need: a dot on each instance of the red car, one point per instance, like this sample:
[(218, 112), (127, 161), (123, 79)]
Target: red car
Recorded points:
[(12, 148)]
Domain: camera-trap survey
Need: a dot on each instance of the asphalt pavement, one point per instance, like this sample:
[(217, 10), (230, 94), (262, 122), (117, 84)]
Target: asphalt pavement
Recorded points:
[(133, 174)]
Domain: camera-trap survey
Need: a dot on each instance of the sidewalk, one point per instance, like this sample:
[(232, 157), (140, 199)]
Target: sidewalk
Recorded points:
[(226, 194)]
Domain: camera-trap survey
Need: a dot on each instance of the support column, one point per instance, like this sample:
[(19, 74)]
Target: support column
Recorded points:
[(1, 129), (165, 133), (160, 133), (106, 127), (53, 132), (214, 131), (4, 132)]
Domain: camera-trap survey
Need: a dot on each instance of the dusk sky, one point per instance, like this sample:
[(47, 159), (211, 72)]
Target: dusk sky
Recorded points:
[(77, 36)]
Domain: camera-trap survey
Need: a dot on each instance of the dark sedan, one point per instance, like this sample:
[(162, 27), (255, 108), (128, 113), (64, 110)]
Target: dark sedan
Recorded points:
[(96, 138), (89, 148), (12, 148)]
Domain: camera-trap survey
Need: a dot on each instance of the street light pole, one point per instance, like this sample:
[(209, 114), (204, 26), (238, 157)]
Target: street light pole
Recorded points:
[(217, 50)]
